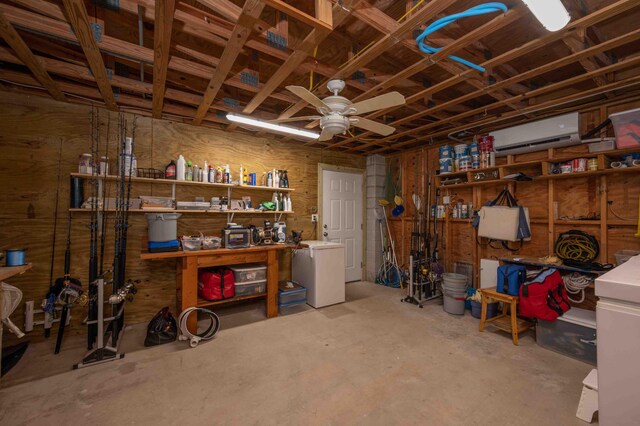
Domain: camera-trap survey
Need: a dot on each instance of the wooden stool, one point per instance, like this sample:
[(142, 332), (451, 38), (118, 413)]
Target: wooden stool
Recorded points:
[(502, 322)]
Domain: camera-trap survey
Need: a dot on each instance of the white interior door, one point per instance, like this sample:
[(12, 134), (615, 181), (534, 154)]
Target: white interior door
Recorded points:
[(342, 217)]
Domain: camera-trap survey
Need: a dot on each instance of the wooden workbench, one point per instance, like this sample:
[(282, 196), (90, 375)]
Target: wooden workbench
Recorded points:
[(188, 263)]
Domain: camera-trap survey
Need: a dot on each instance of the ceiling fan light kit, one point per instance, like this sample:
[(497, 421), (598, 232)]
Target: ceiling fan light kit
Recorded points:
[(337, 113), (271, 126)]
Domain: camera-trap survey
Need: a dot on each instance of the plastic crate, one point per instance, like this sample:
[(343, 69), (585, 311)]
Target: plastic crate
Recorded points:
[(248, 288), (291, 296), (627, 128), (573, 335), (249, 272)]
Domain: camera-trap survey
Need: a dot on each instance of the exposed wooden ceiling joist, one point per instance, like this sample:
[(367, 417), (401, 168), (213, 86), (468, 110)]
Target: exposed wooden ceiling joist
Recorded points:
[(79, 20), (162, 28), (250, 13), (13, 39)]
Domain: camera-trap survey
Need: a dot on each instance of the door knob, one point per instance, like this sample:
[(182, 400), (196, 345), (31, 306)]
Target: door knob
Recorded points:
[(326, 234), (325, 226)]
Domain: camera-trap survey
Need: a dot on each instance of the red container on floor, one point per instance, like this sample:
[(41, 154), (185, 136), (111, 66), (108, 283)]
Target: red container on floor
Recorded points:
[(216, 284)]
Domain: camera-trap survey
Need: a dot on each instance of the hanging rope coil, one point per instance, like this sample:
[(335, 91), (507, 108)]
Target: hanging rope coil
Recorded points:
[(443, 22)]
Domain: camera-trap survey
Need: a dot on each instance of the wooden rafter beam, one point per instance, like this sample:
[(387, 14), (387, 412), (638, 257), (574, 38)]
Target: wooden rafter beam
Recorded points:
[(250, 13), (595, 17), (13, 39), (162, 28), (79, 20)]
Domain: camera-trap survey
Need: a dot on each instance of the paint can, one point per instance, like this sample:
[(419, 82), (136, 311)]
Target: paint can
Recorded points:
[(474, 149), (475, 162), (592, 164), (446, 165), (566, 167), (580, 165), (485, 143), (464, 163), (461, 150), (445, 151), (15, 257)]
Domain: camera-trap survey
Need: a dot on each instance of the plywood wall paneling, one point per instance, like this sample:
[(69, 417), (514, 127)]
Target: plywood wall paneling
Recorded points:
[(31, 131)]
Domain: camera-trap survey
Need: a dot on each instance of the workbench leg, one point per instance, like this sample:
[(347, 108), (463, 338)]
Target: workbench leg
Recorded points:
[(483, 314), (272, 283), (187, 276), (514, 322)]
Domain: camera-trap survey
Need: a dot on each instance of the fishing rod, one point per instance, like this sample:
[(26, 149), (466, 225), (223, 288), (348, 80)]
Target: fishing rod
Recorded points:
[(93, 260), (50, 303), (105, 190)]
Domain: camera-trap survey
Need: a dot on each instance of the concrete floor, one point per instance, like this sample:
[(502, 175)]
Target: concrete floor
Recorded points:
[(372, 360)]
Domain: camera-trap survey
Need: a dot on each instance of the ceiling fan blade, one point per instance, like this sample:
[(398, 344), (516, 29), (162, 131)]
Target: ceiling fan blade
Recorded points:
[(325, 135), (288, 120), (372, 126), (387, 100), (306, 95)]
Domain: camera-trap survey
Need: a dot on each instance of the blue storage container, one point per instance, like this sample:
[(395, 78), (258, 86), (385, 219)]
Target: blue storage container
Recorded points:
[(291, 296)]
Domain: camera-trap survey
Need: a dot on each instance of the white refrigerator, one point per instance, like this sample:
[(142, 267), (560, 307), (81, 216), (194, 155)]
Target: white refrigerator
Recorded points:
[(618, 325), (319, 268)]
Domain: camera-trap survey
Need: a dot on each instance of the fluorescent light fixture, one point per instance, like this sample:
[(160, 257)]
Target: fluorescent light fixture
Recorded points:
[(551, 13), (271, 126)]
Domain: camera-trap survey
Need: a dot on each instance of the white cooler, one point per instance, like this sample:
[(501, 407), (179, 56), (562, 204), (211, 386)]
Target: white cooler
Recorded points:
[(618, 323), (320, 269)]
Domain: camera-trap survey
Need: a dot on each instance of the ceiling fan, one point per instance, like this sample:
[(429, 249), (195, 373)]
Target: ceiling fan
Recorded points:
[(337, 112)]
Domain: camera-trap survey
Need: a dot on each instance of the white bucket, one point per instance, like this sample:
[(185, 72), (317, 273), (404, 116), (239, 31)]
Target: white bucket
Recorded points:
[(453, 303), (454, 281)]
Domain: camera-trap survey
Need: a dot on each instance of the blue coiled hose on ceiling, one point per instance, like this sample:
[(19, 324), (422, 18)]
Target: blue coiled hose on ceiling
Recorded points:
[(443, 22)]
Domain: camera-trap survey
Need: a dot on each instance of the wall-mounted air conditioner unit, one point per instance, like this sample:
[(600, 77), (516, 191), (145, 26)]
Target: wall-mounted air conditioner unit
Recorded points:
[(554, 132)]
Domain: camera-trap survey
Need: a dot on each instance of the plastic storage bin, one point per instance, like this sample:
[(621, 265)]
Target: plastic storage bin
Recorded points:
[(627, 128), (291, 296), (249, 272), (191, 243), (248, 288), (573, 334), (624, 255), (163, 227)]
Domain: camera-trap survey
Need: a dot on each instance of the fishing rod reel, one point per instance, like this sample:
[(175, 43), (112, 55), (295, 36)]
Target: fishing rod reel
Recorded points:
[(125, 293)]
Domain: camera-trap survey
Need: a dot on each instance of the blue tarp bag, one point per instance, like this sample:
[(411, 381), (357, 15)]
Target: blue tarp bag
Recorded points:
[(510, 278)]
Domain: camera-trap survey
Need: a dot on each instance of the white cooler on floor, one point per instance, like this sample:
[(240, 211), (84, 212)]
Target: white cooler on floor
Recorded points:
[(320, 269), (618, 323)]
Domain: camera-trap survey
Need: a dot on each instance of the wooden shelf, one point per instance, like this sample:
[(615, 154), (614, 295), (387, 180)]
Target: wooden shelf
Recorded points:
[(241, 212), (617, 222), (203, 302), (7, 272), (593, 222), (187, 183)]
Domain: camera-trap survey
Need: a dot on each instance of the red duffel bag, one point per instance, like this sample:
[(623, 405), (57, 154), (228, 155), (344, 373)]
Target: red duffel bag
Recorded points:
[(544, 296), (216, 284)]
